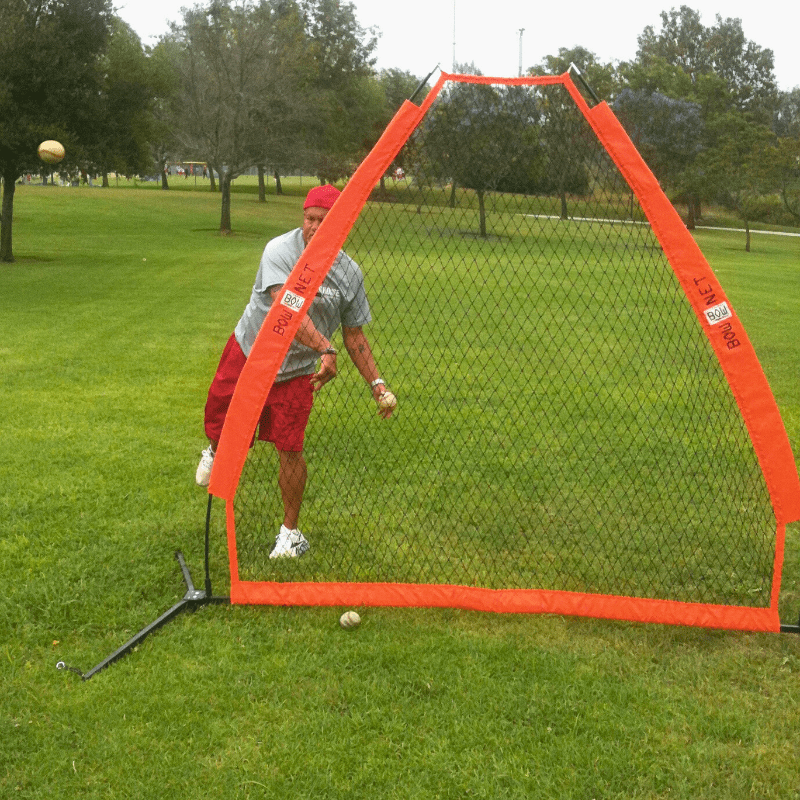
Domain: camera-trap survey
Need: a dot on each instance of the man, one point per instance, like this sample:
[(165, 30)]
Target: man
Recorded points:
[(341, 300)]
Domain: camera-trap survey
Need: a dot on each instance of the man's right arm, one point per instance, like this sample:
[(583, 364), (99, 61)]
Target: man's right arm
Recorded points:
[(308, 335)]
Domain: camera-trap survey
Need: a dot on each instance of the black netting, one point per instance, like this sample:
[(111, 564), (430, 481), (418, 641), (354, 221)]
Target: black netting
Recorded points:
[(563, 422)]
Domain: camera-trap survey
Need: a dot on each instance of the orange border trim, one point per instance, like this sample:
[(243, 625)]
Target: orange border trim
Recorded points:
[(726, 333), (507, 601)]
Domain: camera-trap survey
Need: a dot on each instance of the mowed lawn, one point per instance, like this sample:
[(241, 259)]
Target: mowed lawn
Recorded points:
[(112, 320)]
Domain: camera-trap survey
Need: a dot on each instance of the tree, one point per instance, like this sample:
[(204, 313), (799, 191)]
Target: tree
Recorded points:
[(745, 70), (560, 136), (397, 87), (50, 79), (163, 138), (787, 167), (786, 126), (601, 77), (681, 42), (787, 115), (273, 82), (346, 100), (236, 87), (125, 123), (484, 138), (669, 133), (725, 76), (741, 167), (279, 134)]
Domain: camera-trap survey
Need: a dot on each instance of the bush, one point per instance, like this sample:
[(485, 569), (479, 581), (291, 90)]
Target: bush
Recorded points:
[(770, 209)]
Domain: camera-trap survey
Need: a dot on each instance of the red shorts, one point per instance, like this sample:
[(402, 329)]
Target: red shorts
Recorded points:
[(284, 416)]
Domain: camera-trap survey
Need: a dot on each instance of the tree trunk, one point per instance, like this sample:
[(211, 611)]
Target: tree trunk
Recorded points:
[(164, 180), (747, 235), (482, 207), (453, 195), (225, 190), (691, 218), (262, 190), (564, 209), (211, 176), (278, 187), (9, 186)]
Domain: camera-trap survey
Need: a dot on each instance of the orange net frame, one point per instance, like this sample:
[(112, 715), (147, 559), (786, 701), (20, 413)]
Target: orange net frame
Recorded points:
[(630, 445)]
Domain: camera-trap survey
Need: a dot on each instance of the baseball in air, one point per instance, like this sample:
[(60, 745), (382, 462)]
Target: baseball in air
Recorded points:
[(51, 152)]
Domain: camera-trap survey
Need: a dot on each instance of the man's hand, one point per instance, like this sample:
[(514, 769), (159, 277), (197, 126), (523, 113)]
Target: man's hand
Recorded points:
[(327, 371), (386, 401)]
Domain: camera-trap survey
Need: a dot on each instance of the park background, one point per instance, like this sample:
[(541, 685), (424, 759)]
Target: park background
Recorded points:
[(113, 311), (293, 88)]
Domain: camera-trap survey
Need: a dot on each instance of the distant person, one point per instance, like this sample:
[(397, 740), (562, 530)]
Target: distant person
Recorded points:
[(341, 300)]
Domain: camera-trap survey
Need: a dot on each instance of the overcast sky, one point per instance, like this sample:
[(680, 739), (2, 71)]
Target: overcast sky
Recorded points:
[(418, 35)]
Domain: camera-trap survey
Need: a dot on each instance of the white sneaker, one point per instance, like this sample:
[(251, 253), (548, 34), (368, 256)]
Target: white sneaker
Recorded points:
[(203, 475), (289, 544)]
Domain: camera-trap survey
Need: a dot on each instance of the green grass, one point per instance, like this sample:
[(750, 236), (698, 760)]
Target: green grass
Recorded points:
[(106, 358)]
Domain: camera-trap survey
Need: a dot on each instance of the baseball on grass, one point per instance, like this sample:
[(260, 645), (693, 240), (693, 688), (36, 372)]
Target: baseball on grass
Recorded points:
[(349, 620), (51, 152), (387, 401)]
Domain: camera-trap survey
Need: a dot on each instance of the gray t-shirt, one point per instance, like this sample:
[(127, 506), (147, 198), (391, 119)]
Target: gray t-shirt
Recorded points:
[(341, 300)]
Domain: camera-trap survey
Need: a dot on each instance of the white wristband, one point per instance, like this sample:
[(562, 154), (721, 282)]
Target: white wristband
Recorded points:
[(376, 382)]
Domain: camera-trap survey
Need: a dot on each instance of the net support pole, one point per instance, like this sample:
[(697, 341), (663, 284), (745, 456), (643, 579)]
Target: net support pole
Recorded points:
[(191, 601)]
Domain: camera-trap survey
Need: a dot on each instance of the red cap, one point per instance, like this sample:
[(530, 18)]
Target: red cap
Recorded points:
[(321, 197)]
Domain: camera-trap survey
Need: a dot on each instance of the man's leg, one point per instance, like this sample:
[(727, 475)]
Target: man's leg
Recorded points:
[(289, 407), (292, 476)]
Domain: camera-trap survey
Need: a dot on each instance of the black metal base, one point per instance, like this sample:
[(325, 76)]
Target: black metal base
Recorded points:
[(791, 628), (193, 599)]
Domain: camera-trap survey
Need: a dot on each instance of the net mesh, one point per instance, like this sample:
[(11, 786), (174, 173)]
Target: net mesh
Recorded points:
[(563, 422)]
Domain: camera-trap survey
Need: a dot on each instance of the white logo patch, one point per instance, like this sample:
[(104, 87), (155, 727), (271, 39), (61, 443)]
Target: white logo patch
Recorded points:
[(292, 300), (718, 313)]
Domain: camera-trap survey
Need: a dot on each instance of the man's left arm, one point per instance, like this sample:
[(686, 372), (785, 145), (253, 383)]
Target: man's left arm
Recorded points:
[(357, 346)]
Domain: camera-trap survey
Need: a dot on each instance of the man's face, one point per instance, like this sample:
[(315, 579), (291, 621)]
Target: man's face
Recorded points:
[(312, 219)]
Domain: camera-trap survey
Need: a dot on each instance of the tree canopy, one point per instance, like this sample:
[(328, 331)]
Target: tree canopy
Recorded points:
[(292, 84), (50, 82)]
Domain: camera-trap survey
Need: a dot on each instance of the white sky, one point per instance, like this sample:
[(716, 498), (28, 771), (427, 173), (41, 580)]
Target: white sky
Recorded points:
[(416, 35)]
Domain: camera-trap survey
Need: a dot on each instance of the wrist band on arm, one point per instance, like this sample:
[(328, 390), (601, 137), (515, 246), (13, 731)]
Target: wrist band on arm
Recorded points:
[(329, 351), (376, 382)]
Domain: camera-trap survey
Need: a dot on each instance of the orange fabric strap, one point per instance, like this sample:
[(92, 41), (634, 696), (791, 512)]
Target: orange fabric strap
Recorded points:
[(510, 601), (286, 314), (718, 319)]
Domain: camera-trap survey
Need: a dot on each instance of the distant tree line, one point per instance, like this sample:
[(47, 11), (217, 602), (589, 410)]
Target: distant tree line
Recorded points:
[(292, 84), (235, 84), (702, 106)]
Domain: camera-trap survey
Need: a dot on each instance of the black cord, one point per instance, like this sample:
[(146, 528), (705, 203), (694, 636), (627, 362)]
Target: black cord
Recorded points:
[(423, 83)]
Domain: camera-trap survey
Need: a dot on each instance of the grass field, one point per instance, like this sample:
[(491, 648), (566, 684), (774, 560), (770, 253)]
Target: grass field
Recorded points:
[(112, 320)]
